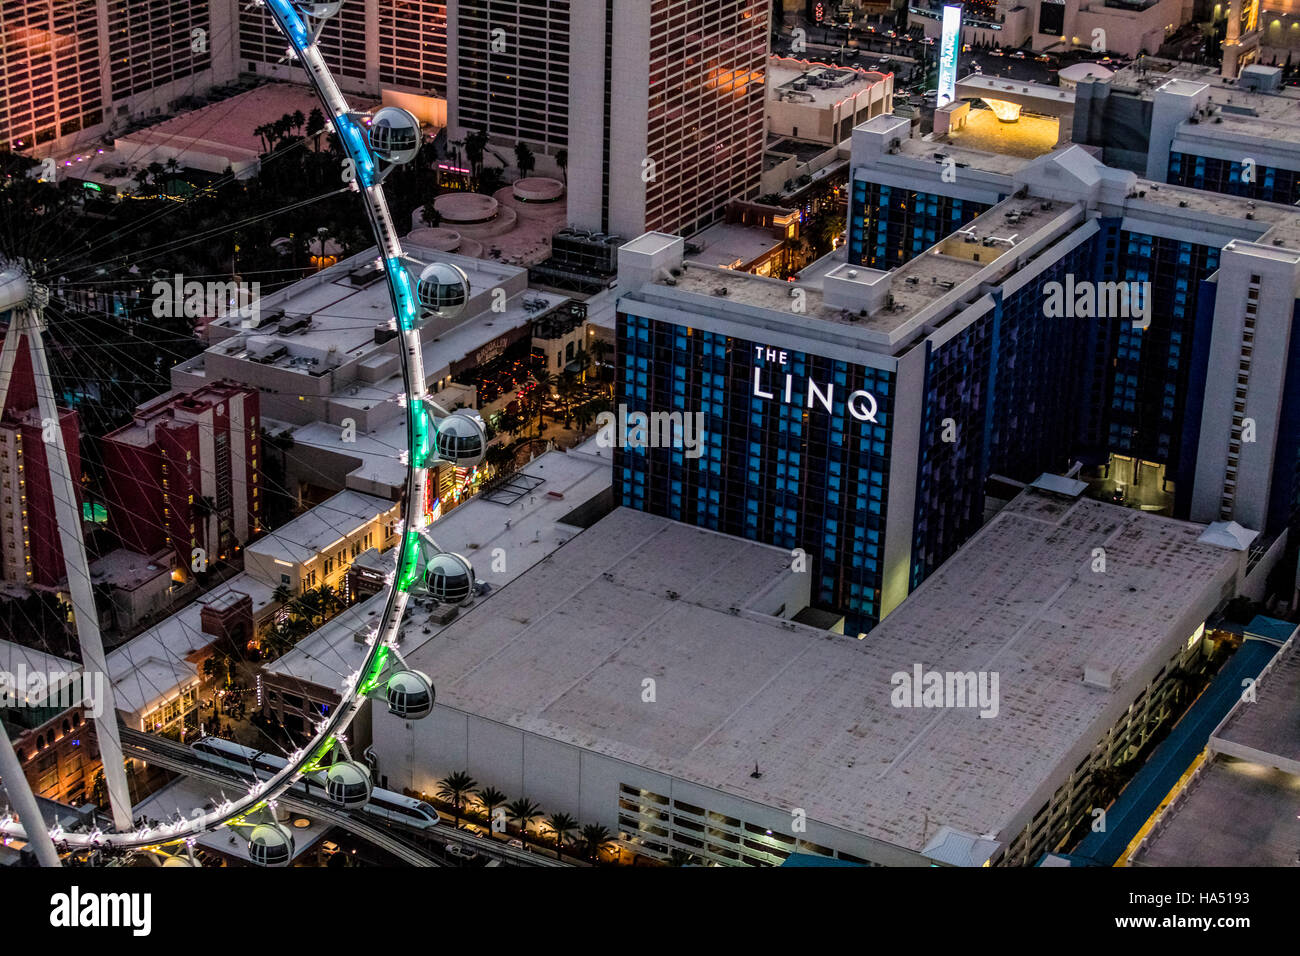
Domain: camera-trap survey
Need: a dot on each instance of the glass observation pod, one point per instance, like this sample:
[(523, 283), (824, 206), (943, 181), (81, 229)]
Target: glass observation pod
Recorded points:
[(394, 137)]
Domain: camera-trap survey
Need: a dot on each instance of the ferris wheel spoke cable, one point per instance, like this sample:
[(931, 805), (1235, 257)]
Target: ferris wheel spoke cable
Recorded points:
[(174, 244), (421, 567), (64, 239)]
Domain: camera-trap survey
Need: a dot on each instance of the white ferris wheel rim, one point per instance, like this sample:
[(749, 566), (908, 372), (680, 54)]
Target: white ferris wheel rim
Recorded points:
[(383, 640)]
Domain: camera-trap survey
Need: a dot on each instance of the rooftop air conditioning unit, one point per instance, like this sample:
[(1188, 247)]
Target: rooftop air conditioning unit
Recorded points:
[(444, 614)]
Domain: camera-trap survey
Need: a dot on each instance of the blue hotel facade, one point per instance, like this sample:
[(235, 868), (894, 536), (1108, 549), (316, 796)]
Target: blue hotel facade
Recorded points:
[(989, 387), (771, 470)]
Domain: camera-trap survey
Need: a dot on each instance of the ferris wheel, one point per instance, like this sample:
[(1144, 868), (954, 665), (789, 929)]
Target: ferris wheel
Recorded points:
[(373, 146)]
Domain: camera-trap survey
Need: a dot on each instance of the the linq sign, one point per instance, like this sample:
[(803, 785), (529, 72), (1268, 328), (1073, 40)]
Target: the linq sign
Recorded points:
[(778, 385)]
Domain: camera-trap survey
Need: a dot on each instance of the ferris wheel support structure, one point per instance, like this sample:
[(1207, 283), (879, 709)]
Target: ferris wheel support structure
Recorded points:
[(24, 801), (26, 301), (421, 566)]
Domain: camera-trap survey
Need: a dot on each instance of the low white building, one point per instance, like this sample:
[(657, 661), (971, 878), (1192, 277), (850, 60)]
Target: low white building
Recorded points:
[(503, 536), (317, 548), (648, 677)]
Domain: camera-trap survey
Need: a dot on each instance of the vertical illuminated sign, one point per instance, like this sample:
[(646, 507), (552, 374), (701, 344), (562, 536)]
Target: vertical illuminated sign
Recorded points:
[(949, 48)]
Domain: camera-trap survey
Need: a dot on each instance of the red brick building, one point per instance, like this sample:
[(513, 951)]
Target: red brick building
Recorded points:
[(184, 474), (30, 552)]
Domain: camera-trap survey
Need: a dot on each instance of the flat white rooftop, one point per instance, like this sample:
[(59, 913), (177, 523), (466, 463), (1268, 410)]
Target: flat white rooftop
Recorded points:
[(127, 569), (151, 668), (377, 452), (731, 245), (526, 531), (17, 661), (820, 84), (1271, 723), (561, 652), (329, 522)]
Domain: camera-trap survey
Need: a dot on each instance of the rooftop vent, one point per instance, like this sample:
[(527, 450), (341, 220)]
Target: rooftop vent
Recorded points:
[(1101, 676)]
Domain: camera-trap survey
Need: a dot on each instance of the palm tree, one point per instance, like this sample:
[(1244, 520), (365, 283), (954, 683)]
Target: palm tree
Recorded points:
[(99, 789), (279, 639), (475, 145), (562, 160), (173, 169), (594, 838), (280, 129), (499, 457), (454, 148), (489, 798), (331, 601), (524, 159), (455, 788), (315, 126), (523, 811), (570, 389), (217, 667), (490, 179), (308, 605), (583, 416), (561, 824)]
